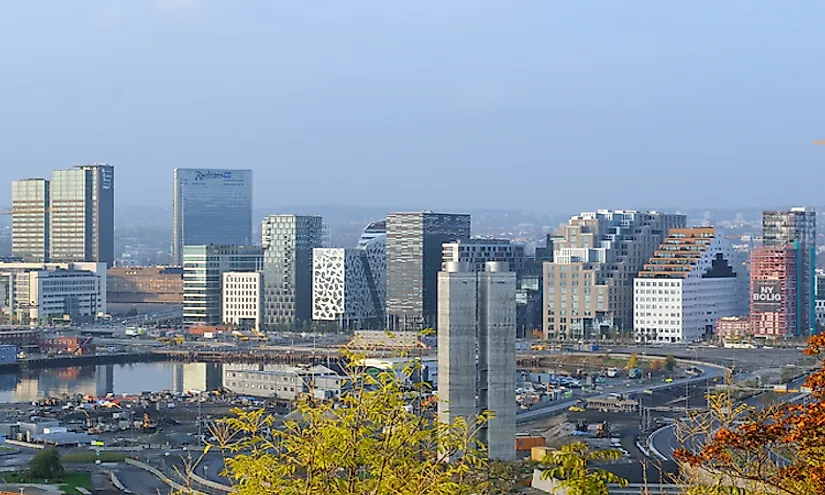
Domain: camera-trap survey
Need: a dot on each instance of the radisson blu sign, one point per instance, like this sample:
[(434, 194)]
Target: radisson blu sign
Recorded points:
[(210, 174)]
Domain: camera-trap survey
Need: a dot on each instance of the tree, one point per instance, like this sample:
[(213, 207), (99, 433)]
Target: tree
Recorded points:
[(537, 334), (780, 449), (46, 464), (670, 363), (657, 365), (132, 312), (370, 442), (633, 361), (570, 468)]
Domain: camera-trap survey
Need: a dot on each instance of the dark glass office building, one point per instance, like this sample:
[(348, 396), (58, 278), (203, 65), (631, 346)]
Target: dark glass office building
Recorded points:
[(211, 206), (288, 241), (414, 252)]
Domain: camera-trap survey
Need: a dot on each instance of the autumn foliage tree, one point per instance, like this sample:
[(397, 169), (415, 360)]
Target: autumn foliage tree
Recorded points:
[(571, 468), (376, 440), (782, 449)]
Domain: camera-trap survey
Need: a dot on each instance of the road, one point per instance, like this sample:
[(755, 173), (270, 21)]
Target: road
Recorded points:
[(664, 441), (709, 372), (139, 481)]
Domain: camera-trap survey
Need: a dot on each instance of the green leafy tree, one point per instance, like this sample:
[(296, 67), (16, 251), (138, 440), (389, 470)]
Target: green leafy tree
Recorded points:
[(132, 312), (571, 469), (46, 464), (670, 363), (370, 442), (633, 361)]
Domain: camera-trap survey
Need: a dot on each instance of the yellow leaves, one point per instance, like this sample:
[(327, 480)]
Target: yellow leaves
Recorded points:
[(370, 443), (570, 468)]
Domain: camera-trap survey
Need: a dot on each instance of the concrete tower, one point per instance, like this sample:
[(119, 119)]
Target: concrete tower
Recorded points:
[(477, 350), (497, 357), (457, 300)]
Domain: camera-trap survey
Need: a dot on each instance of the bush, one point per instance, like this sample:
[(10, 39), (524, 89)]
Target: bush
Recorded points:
[(670, 363)]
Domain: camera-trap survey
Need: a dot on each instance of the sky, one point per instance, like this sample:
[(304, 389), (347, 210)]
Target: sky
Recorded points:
[(538, 105)]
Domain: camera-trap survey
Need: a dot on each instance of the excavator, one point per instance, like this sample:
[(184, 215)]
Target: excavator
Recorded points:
[(603, 430), (148, 424), (176, 340)]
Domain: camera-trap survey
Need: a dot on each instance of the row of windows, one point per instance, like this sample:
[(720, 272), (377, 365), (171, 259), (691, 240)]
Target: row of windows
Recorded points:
[(238, 307), (660, 283)]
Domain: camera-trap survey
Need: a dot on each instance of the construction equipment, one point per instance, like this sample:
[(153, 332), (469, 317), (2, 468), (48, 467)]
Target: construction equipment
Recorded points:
[(148, 424), (176, 340), (582, 426), (603, 430)]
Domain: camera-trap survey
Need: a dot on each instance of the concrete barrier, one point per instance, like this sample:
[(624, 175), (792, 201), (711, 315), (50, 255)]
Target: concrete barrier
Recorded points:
[(210, 484), (116, 481), (28, 445), (651, 443), (173, 484)]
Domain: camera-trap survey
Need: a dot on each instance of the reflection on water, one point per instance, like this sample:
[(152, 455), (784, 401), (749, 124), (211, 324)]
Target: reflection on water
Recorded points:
[(104, 379)]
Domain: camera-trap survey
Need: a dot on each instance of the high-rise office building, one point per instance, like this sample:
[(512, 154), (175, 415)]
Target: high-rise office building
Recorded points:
[(203, 269), (414, 254), (371, 231), (477, 311), (288, 241), (588, 287), (349, 284), (30, 219), (341, 288), (82, 214), (796, 228), (211, 207), (476, 252)]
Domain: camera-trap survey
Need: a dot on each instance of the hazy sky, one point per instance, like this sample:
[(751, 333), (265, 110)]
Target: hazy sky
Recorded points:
[(542, 105)]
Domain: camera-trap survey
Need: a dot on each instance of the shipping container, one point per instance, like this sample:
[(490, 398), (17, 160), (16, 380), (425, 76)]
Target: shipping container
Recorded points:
[(526, 444)]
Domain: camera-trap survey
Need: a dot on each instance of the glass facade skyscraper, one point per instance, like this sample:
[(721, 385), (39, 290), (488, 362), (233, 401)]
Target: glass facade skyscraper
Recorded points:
[(211, 206), (82, 214), (288, 241), (414, 251), (30, 219)]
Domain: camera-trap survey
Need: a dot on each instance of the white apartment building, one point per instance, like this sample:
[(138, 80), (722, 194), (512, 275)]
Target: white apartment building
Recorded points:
[(38, 292), (474, 253), (588, 287), (686, 286), (241, 299)]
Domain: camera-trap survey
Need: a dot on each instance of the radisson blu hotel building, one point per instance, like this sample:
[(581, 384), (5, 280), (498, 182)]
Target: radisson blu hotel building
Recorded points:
[(211, 206)]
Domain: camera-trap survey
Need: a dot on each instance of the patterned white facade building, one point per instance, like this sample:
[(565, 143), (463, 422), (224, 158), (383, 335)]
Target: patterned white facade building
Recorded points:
[(349, 285), (242, 299)]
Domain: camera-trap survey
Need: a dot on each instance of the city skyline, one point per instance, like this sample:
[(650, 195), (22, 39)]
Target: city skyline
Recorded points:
[(626, 92)]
